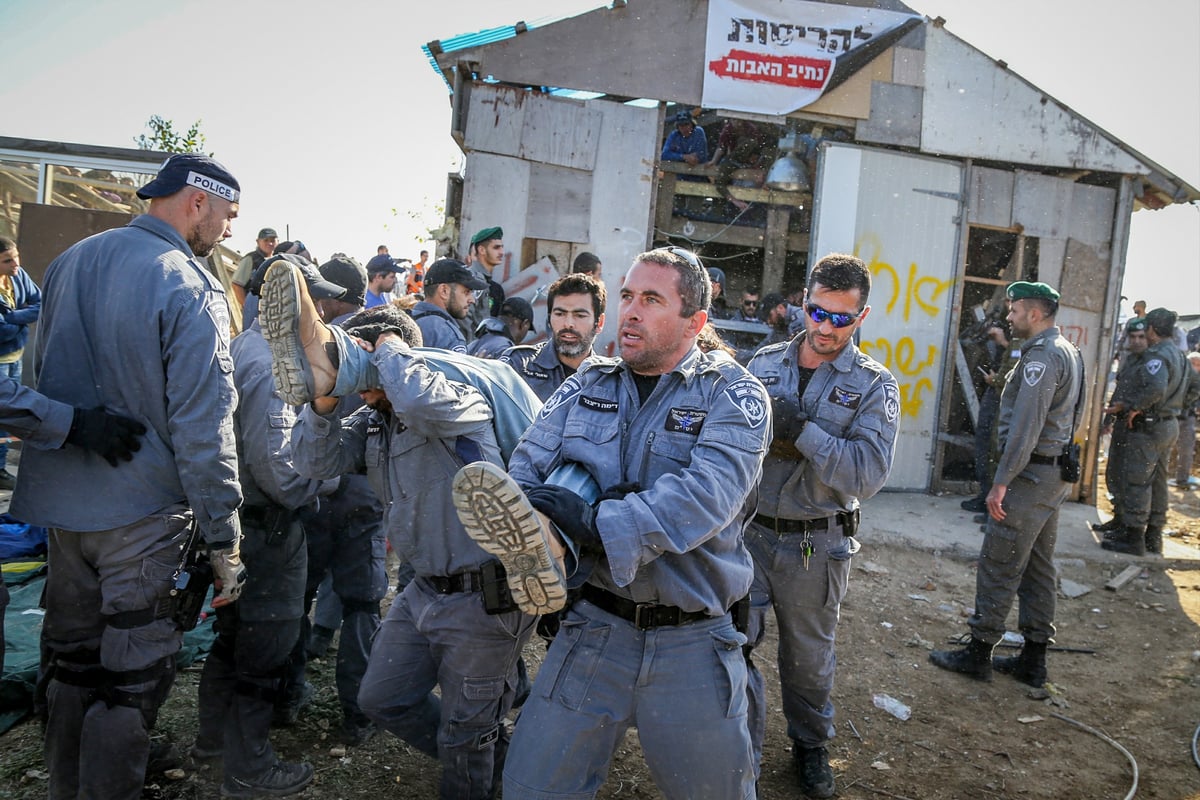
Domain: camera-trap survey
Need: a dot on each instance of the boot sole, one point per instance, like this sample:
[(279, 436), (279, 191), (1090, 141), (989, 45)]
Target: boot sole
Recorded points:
[(279, 315), (495, 513)]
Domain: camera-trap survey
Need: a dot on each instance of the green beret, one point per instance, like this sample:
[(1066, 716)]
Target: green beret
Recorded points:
[(486, 234), (1023, 290), (1136, 324)]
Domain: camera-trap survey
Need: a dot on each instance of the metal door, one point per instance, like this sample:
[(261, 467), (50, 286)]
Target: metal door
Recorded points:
[(901, 214)]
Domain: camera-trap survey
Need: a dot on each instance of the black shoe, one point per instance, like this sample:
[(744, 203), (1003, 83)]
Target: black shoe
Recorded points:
[(356, 734), (288, 712), (975, 504), (1154, 536), (282, 779), (1113, 524), (1028, 666), (203, 754), (1131, 542), (163, 756), (812, 770), (974, 660), (8, 481), (980, 519)]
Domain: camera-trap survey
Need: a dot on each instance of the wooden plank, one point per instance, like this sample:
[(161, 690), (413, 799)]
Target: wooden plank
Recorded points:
[(1127, 574), (740, 235), (559, 202), (967, 385), (775, 247)]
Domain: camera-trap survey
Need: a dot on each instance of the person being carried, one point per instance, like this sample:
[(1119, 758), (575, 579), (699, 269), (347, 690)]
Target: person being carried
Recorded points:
[(497, 334)]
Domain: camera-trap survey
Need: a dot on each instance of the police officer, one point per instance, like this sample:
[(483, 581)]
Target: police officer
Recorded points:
[(497, 334), (487, 253), (244, 674), (451, 291), (677, 436), (1037, 420), (1151, 415), (575, 316), (836, 415), (447, 628), (1130, 384), (132, 320)]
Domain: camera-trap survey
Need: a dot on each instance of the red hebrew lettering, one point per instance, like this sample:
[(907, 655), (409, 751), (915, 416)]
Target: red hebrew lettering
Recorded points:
[(796, 71)]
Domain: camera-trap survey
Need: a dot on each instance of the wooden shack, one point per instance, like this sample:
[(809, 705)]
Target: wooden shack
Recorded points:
[(949, 174)]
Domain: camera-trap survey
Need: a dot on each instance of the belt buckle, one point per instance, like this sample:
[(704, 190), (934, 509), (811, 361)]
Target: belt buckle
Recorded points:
[(638, 622)]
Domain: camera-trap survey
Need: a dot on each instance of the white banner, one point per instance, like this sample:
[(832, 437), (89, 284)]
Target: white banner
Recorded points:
[(776, 56)]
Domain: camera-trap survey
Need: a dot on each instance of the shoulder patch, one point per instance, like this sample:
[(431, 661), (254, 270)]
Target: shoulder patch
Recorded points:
[(685, 420), (891, 402), (563, 394), (1033, 372), (747, 394), (1154, 365), (840, 396)]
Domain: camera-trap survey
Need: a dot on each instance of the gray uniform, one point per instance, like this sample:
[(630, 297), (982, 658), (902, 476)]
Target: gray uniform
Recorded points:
[(493, 340), (438, 328), (1159, 374), (437, 632), (841, 457), (36, 419), (131, 321), (1037, 413), (1116, 477), (245, 669), (538, 366), (695, 448)]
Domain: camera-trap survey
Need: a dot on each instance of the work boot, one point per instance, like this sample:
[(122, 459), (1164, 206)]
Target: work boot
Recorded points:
[(282, 779), (495, 513), (974, 660), (1131, 542), (1113, 524), (8, 481), (304, 356), (975, 504), (1154, 534), (812, 770), (1028, 666)]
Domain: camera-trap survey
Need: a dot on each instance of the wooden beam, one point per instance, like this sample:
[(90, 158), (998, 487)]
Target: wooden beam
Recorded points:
[(1127, 574)]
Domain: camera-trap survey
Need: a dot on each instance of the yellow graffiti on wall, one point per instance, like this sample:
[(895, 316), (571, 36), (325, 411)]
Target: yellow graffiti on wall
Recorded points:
[(912, 292)]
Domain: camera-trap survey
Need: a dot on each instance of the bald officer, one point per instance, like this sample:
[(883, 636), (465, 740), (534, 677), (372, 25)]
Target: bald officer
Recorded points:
[(1037, 419)]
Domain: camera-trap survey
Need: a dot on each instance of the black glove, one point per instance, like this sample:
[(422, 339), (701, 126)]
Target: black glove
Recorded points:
[(570, 512), (619, 491), (789, 418), (111, 436)]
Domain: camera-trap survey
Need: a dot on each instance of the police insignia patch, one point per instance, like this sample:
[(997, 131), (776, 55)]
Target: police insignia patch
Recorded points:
[(1033, 372), (747, 394), (685, 420), (570, 387), (1154, 365), (891, 402), (845, 397)]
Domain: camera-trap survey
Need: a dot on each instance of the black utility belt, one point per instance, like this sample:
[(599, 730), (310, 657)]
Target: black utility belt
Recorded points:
[(643, 615), (490, 579), (453, 584), (848, 520), (1046, 461)]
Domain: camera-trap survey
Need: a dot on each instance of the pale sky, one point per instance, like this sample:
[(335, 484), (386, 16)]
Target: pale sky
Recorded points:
[(337, 127)]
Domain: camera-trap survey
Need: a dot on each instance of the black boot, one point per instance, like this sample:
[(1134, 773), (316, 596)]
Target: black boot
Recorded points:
[(1113, 524), (974, 660), (1028, 666), (1131, 542), (1154, 539), (812, 770)]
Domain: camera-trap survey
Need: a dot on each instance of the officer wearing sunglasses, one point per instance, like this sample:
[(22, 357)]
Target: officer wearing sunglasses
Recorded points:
[(836, 417)]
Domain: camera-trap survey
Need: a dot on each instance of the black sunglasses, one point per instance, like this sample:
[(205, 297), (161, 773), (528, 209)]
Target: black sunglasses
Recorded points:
[(839, 320), (749, 302)]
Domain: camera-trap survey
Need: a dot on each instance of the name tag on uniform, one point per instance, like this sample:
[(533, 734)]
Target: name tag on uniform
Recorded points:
[(599, 404), (374, 430), (768, 380), (685, 420), (845, 398)]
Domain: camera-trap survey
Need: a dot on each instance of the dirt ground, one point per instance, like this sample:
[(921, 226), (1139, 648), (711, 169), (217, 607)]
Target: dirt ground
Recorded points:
[(1140, 686)]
